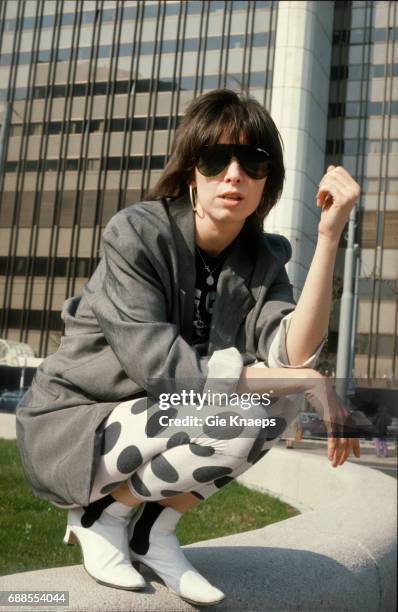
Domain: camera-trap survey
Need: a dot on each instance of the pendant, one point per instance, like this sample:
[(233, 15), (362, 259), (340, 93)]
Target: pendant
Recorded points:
[(210, 280)]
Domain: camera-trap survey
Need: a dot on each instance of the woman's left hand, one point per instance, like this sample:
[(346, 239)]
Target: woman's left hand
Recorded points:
[(339, 450), (336, 196)]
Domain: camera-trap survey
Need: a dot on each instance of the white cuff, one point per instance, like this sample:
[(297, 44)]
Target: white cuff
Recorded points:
[(225, 365), (277, 357)]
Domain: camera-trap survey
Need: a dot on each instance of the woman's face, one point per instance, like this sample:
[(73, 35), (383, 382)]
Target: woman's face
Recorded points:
[(231, 195)]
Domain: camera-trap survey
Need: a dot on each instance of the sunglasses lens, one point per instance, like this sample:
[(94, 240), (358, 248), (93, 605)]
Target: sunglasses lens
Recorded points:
[(253, 161), (212, 160)]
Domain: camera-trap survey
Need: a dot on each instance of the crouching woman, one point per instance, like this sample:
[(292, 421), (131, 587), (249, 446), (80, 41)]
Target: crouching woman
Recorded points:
[(189, 288)]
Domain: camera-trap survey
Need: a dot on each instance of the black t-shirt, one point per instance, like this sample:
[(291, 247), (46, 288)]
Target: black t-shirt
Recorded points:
[(205, 295)]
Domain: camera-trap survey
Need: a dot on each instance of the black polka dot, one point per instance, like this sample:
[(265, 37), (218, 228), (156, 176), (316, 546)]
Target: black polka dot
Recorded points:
[(224, 432), (210, 472), (257, 446), (163, 469), (110, 437), (153, 426), (221, 482), (110, 487), (129, 460), (139, 486), (198, 495), (178, 439), (260, 456), (202, 451), (170, 493), (139, 406)]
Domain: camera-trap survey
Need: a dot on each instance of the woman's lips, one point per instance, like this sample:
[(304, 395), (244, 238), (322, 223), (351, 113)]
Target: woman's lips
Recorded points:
[(230, 200)]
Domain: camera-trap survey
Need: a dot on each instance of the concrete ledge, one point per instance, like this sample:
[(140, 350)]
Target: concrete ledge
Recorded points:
[(340, 554), (7, 426), (347, 534)]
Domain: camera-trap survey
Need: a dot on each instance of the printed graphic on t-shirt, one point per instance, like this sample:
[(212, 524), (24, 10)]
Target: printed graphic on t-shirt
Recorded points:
[(203, 309)]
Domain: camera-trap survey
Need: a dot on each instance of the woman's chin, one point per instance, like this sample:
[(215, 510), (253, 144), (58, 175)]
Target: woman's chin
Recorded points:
[(228, 215)]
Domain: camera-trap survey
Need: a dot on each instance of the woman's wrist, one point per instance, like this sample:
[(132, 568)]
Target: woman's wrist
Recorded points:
[(330, 242)]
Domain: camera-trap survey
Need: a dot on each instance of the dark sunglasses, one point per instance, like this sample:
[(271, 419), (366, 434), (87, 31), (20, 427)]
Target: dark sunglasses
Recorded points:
[(211, 160)]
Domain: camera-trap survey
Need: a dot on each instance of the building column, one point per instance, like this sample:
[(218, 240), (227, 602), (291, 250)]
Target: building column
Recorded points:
[(299, 107)]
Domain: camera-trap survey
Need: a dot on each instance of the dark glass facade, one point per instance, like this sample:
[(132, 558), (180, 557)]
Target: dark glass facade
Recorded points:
[(363, 137), (90, 95)]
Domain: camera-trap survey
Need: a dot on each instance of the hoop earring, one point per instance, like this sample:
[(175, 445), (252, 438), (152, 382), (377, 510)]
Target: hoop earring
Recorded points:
[(192, 197)]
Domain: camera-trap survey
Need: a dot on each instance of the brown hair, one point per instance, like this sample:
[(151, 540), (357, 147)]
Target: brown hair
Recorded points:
[(207, 118)]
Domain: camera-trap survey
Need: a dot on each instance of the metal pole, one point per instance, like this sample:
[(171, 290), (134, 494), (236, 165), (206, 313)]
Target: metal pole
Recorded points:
[(355, 308), (343, 362)]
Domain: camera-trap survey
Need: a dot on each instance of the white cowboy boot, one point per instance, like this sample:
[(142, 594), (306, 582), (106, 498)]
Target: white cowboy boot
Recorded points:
[(153, 542), (101, 530)]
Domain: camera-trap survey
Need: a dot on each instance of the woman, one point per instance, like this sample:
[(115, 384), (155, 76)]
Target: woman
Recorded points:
[(189, 291)]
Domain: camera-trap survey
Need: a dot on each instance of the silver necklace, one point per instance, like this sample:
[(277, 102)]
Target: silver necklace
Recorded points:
[(209, 278)]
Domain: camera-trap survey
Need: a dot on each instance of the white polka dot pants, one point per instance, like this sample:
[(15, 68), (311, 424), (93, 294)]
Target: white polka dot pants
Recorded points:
[(177, 461)]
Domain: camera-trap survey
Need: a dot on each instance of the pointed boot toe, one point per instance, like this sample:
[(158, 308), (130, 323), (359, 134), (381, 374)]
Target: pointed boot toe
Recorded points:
[(153, 543)]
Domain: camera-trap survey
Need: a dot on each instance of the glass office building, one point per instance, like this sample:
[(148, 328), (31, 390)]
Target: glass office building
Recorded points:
[(363, 137), (91, 93)]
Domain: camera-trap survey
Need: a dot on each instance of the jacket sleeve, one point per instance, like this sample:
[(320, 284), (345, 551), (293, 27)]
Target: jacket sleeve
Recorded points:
[(278, 357), (130, 303), (279, 302)]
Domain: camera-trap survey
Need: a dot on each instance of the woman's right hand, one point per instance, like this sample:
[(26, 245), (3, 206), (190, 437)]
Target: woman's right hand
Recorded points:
[(339, 450), (320, 393)]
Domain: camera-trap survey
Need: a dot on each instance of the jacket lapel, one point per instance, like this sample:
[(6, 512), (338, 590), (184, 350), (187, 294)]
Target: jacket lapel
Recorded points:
[(247, 272), (183, 227), (234, 299)]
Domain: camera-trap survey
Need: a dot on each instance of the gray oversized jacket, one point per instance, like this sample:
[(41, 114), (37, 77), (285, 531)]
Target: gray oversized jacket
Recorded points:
[(132, 324)]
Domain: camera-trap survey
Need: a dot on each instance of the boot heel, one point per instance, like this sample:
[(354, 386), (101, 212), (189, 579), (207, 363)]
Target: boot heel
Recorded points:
[(105, 549), (69, 538)]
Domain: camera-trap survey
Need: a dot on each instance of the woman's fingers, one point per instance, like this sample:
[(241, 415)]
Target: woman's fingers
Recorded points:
[(345, 451), (332, 193), (337, 185), (339, 450), (338, 458), (331, 448)]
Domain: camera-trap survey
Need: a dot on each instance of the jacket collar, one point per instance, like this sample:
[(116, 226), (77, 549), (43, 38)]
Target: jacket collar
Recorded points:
[(242, 276)]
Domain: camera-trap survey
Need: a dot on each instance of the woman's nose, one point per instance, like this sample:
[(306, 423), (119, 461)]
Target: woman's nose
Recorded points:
[(234, 170)]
